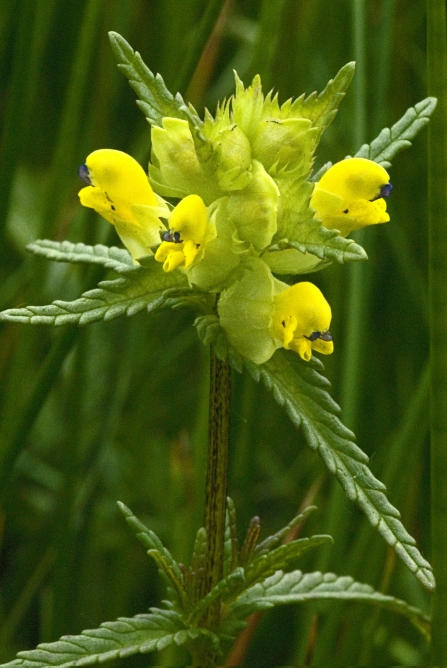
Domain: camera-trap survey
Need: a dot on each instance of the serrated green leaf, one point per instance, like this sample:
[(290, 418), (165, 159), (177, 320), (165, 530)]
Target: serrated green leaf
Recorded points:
[(302, 392), (326, 245), (165, 566), (321, 109), (228, 585), (150, 539), (392, 141), (268, 543), (301, 245), (155, 100), (265, 565), (231, 547), (144, 287), (196, 569), (113, 640), (296, 587), (112, 257), (251, 539)]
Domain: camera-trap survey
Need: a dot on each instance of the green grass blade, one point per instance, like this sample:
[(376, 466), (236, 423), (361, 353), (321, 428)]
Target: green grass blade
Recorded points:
[(437, 182)]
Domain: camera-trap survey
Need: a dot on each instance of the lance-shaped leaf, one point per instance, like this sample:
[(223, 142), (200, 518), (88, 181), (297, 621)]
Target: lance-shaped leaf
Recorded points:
[(227, 586), (318, 249), (303, 393), (144, 287), (281, 559), (296, 587), (268, 543), (161, 555), (321, 109), (392, 141), (112, 257), (114, 640), (155, 100), (231, 545)]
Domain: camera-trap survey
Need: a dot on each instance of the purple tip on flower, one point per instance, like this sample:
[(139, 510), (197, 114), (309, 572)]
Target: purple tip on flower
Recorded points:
[(385, 190), (84, 173)]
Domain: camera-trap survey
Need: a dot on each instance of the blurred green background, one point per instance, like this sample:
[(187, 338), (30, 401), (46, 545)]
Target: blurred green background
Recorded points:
[(119, 410)]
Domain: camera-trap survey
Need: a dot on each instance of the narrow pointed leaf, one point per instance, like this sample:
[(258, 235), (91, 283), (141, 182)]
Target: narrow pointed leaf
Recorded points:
[(321, 109), (114, 258), (150, 539), (392, 141), (196, 569), (230, 584), (154, 99), (165, 567), (268, 543), (327, 245), (282, 558), (303, 393), (113, 640), (144, 287), (296, 587)]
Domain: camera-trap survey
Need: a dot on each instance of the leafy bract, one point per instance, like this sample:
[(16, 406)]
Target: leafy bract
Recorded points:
[(114, 640), (109, 257), (319, 109), (302, 392), (296, 587), (155, 100), (143, 287), (318, 248), (392, 141)]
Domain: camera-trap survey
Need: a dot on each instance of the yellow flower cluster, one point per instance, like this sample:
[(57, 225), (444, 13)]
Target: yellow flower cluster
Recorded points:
[(348, 196)]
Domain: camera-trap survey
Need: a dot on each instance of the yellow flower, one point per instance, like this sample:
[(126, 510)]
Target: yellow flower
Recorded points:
[(187, 235), (301, 319), (350, 195), (120, 192)]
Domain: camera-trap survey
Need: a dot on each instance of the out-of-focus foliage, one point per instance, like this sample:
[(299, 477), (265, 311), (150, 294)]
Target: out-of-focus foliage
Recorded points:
[(119, 410)]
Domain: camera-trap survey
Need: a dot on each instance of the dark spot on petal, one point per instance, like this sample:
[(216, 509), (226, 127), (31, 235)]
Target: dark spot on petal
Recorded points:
[(113, 208)]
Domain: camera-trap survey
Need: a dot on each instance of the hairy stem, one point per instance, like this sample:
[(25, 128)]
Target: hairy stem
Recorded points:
[(216, 493)]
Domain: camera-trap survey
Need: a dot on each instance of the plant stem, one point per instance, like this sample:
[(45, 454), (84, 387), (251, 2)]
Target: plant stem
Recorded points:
[(215, 494), (216, 477)]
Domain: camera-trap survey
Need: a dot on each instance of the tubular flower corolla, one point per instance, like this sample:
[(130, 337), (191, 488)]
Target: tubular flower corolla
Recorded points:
[(121, 193), (350, 195), (188, 232), (301, 319)]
